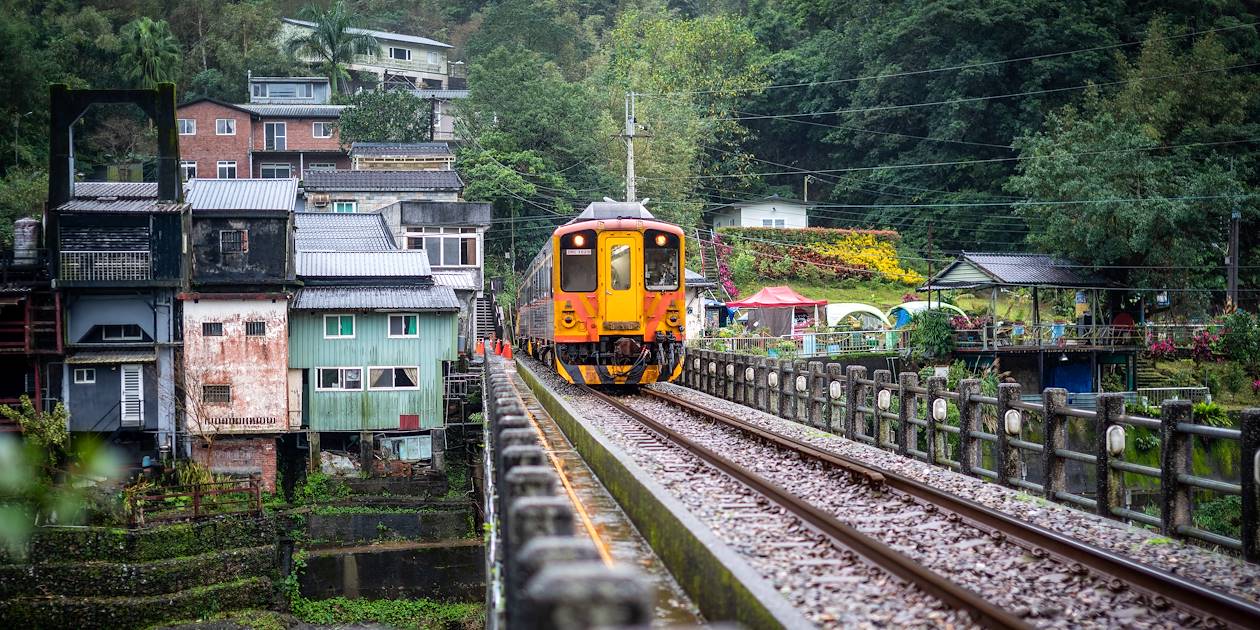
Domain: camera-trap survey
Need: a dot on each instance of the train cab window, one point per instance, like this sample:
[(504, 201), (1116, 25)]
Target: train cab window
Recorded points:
[(620, 262), (578, 271), (660, 261)]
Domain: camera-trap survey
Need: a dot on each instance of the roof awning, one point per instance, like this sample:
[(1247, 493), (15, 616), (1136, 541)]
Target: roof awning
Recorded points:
[(100, 357)]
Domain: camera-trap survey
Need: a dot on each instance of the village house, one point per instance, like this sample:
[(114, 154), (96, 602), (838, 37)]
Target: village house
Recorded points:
[(401, 156), (402, 61), (236, 381), (771, 212), (445, 113), (30, 323), (369, 191)]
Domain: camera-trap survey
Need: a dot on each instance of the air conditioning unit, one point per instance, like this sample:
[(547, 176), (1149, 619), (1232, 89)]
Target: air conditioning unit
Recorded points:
[(320, 199)]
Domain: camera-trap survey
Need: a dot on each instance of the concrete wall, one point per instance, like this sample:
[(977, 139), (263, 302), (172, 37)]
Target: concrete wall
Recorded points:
[(267, 259), (239, 456), (375, 201), (452, 571), (256, 367)]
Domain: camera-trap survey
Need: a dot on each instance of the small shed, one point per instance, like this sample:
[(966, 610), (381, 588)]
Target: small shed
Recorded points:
[(865, 316), (776, 307)]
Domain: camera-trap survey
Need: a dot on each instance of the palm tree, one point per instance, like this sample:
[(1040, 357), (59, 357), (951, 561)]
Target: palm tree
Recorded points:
[(150, 52), (332, 43)]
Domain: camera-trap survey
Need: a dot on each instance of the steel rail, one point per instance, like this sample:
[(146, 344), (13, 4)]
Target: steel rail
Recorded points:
[(957, 597), (1213, 606)]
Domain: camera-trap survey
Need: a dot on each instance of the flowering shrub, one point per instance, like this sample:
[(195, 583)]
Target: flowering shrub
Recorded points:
[(909, 297), (724, 271), (866, 251), (1255, 387), (1162, 350), (962, 322), (1204, 345), (819, 254)]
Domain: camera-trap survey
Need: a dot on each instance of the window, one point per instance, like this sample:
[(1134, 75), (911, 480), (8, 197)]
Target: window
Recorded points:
[(660, 261), (233, 241), (338, 326), (225, 127), (255, 329), (227, 170), (277, 171), (84, 376), (401, 54), (339, 378), (403, 326), (772, 223), (187, 127), (306, 90), (216, 394), (211, 329), (260, 90), (446, 247), (434, 58), (188, 169), (121, 332), (394, 377), (321, 129), (274, 135), (321, 166), (345, 206), (577, 262)]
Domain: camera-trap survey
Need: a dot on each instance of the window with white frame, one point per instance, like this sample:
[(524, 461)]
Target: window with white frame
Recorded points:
[(401, 54), (279, 170), (260, 90), (275, 136), (121, 332), (339, 378), (187, 127), (407, 377), (321, 129), (434, 58), (446, 246), (211, 329), (225, 127), (226, 169), (216, 394), (256, 329), (84, 376), (345, 206), (188, 169), (233, 241), (405, 325), (321, 166), (338, 326), (772, 223)]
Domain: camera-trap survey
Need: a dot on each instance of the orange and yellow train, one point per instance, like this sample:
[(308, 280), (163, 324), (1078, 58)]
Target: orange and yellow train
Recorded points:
[(603, 302)]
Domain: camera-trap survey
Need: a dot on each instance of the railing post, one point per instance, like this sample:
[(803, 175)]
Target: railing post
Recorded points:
[(1250, 424), (883, 426), (817, 395), (1109, 491), (968, 424), (738, 362), (761, 385), (907, 406), (835, 394), (787, 389), (852, 398), (1053, 401), (1175, 496), (197, 501), (801, 371), (1007, 454), (728, 376), (935, 385)]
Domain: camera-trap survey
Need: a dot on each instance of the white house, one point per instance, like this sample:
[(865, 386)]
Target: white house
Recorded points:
[(405, 61), (773, 212)]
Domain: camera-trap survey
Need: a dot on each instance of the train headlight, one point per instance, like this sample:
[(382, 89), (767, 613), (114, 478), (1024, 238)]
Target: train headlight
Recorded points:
[(673, 319), (568, 321), (661, 240), (579, 240)]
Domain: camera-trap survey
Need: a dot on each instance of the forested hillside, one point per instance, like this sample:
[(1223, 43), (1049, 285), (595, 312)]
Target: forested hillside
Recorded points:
[(1121, 134)]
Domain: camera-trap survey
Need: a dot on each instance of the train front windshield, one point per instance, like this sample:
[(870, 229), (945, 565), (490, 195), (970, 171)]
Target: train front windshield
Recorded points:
[(660, 261)]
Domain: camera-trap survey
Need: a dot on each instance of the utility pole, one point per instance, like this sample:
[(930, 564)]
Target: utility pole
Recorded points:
[(629, 138), (806, 195), (432, 114), (1235, 219)]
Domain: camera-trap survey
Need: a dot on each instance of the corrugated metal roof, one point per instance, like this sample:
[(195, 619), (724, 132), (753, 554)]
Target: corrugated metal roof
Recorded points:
[(1014, 269), (398, 37), (242, 194), (614, 210), (120, 190), (106, 205), (441, 94), (424, 298), (342, 231), (294, 111), (98, 357), (400, 148), (464, 280), (395, 264), (258, 79), (383, 181)]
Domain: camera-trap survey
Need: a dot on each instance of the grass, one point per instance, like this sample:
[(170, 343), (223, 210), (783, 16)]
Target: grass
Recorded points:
[(398, 613)]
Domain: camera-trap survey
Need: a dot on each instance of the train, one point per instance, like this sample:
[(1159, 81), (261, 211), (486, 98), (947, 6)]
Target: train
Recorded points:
[(612, 311)]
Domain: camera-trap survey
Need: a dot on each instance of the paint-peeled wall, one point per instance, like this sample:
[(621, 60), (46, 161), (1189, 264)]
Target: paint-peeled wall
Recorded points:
[(250, 357)]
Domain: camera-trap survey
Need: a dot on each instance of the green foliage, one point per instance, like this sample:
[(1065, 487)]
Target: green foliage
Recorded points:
[(1211, 414), (384, 116), (1222, 515), (396, 613), (931, 335), (1240, 340), (331, 41), (320, 488), (150, 53), (43, 430)]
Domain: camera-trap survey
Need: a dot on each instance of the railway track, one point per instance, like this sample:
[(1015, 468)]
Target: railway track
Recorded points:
[(877, 553), (1162, 589)]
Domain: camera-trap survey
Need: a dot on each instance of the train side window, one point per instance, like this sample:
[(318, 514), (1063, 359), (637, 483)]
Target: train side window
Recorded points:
[(660, 261), (578, 271)]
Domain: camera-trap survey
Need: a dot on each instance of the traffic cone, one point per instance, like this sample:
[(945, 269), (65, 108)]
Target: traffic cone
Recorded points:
[(481, 347), (507, 350), (498, 347)]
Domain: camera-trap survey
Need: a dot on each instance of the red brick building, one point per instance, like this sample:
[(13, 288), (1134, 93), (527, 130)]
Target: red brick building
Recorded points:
[(220, 140)]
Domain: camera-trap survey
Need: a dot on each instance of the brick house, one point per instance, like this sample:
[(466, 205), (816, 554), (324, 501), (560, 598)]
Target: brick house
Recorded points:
[(258, 140)]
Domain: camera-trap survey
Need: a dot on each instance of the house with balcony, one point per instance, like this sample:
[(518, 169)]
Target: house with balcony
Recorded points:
[(401, 61), (236, 380), (30, 324), (369, 191), (401, 156), (265, 140)]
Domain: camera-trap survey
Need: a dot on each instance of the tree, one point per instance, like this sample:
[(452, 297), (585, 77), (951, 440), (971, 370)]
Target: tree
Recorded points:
[(150, 53), (332, 43), (385, 116)]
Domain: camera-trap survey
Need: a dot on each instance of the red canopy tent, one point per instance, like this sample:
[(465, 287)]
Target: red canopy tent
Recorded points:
[(783, 302)]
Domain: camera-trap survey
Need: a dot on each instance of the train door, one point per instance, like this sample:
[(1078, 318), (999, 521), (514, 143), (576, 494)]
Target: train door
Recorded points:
[(618, 260)]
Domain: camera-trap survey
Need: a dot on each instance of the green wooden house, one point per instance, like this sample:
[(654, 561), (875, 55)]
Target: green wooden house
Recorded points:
[(369, 333)]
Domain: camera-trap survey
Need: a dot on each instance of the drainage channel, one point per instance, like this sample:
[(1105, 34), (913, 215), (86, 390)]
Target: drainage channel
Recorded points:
[(599, 516)]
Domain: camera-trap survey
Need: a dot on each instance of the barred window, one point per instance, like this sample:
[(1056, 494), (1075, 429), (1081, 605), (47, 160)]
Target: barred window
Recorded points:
[(233, 241), (211, 329), (216, 394), (255, 329)]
